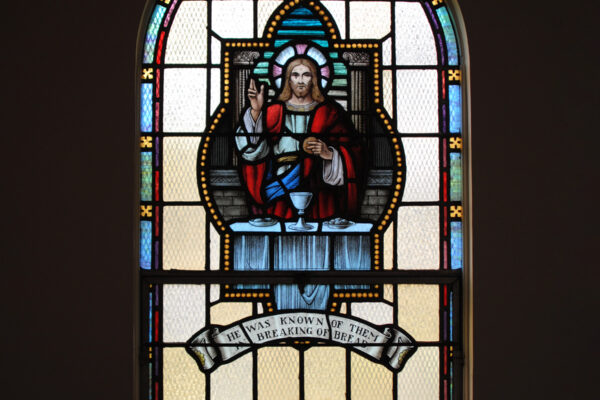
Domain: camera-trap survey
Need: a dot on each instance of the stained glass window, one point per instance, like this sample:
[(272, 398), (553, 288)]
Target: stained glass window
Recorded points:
[(302, 232)]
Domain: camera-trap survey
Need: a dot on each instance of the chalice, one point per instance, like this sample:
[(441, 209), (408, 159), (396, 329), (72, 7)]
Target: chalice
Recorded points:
[(301, 200)]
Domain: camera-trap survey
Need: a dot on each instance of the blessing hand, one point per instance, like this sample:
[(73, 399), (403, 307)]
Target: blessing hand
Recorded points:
[(257, 98)]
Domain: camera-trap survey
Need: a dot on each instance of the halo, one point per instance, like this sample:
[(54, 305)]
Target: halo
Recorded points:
[(308, 50)]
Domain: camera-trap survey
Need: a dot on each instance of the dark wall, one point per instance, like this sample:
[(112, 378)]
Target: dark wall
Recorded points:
[(67, 188)]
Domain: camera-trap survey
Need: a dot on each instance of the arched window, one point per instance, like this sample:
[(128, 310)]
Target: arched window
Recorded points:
[(302, 228)]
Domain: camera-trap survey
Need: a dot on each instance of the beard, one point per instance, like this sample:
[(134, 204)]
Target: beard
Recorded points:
[(300, 90)]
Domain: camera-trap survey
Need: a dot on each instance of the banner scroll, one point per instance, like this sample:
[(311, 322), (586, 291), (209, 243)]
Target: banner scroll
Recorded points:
[(216, 345)]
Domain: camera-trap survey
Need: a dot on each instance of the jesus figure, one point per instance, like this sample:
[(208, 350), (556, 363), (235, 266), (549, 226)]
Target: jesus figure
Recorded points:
[(301, 142)]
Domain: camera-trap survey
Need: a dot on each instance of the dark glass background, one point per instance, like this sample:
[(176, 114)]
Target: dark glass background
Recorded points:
[(68, 151)]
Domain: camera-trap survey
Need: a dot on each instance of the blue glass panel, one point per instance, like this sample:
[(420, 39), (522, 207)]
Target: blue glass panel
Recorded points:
[(295, 32), (451, 317), (455, 108), (281, 42), (261, 71), (456, 245), (301, 22), (146, 120), (152, 33), (262, 64), (352, 253), (334, 55), (442, 13), (455, 177), (322, 43), (146, 244), (301, 11), (268, 54), (146, 164), (339, 69), (340, 82), (251, 253)]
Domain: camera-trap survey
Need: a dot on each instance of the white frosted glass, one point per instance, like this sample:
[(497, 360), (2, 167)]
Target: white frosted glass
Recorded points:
[(179, 169), (370, 380), (184, 311), (233, 381), (215, 51), (417, 101), (337, 9), (184, 100), (369, 19), (181, 376), (388, 247), (184, 238), (418, 237), (422, 169), (215, 248), (386, 51), (415, 44), (233, 19), (278, 369), (186, 43), (419, 311), (215, 89), (377, 313), (325, 373), (265, 9), (215, 293), (388, 93), (419, 378)]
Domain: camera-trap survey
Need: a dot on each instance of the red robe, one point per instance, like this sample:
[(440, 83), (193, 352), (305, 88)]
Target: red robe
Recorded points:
[(328, 123)]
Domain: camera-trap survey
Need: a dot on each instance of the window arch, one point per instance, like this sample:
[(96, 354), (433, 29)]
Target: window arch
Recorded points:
[(234, 287)]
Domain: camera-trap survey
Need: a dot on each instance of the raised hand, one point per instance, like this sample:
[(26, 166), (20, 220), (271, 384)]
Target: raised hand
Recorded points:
[(257, 98)]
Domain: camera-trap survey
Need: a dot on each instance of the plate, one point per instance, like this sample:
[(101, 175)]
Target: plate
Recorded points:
[(344, 225), (262, 222)]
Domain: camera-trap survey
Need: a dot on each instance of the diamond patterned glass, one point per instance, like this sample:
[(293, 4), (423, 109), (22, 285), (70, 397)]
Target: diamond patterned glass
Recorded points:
[(369, 19), (181, 376), (338, 12), (369, 380), (179, 169), (184, 311), (415, 44), (375, 313), (418, 237), (184, 237), (422, 169), (233, 380), (232, 19), (417, 101), (325, 373), (265, 9), (278, 372), (420, 377), (187, 40), (418, 311), (184, 100)]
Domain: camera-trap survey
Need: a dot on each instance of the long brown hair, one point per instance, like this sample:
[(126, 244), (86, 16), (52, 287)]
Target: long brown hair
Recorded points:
[(286, 92)]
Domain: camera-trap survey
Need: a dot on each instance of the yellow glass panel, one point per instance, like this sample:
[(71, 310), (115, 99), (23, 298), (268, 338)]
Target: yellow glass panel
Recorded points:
[(377, 313), (388, 293), (420, 377), (232, 381), (370, 380), (184, 238), (388, 247), (418, 311), (179, 169), (228, 313), (181, 376), (325, 373), (278, 369)]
